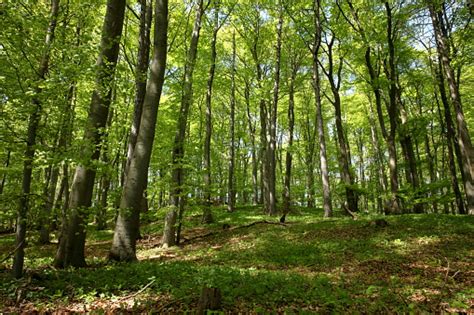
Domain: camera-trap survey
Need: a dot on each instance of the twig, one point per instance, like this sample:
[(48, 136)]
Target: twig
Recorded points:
[(447, 271), (231, 229), (138, 292), (11, 253)]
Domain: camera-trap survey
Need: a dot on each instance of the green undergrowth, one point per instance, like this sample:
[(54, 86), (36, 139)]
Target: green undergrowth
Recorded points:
[(418, 263)]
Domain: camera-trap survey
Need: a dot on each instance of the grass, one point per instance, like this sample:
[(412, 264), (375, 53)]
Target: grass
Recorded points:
[(419, 263)]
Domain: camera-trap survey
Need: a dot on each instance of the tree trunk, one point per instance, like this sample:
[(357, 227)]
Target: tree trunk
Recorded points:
[(345, 167), (271, 206), (231, 180), (33, 123), (253, 148), (464, 139), (177, 178), (207, 213), (4, 177), (327, 204), (83, 182), (146, 16), (451, 141), (291, 127), (127, 225)]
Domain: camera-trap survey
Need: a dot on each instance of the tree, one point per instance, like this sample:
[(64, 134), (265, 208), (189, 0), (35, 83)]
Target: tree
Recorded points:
[(231, 180), (464, 139), (327, 203), (33, 122), (127, 225), (71, 247), (177, 181)]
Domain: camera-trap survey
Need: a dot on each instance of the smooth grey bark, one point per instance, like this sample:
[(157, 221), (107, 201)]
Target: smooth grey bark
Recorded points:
[(464, 139), (177, 178), (141, 70), (128, 220), (327, 203), (231, 179), (33, 122), (84, 176)]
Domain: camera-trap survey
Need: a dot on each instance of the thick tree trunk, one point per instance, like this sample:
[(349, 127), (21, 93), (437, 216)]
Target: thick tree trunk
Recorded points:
[(231, 180), (327, 203), (33, 123), (146, 16), (127, 225), (83, 182), (464, 139), (177, 180)]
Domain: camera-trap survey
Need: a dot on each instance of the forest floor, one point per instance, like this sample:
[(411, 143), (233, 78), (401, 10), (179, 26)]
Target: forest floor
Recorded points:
[(418, 263)]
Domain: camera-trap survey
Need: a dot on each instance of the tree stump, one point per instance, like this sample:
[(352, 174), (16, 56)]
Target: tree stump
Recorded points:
[(210, 299), (169, 237)]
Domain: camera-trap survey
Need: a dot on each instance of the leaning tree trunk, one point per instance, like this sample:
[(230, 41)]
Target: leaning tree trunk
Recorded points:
[(33, 123), (127, 225), (141, 70), (83, 182), (464, 139), (177, 178)]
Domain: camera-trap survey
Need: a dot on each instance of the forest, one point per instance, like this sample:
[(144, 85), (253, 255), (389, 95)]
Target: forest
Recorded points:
[(212, 156)]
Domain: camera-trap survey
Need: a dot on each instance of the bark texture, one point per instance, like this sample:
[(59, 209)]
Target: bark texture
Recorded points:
[(82, 186), (127, 225)]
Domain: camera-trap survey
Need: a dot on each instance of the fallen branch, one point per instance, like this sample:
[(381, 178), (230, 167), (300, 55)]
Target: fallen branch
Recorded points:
[(10, 254), (187, 240), (138, 292), (352, 214)]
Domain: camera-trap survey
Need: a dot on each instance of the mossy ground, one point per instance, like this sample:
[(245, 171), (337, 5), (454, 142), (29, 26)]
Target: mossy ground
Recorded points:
[(419, 263)]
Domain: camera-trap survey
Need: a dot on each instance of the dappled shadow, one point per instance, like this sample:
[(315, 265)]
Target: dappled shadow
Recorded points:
[(323, 266)]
